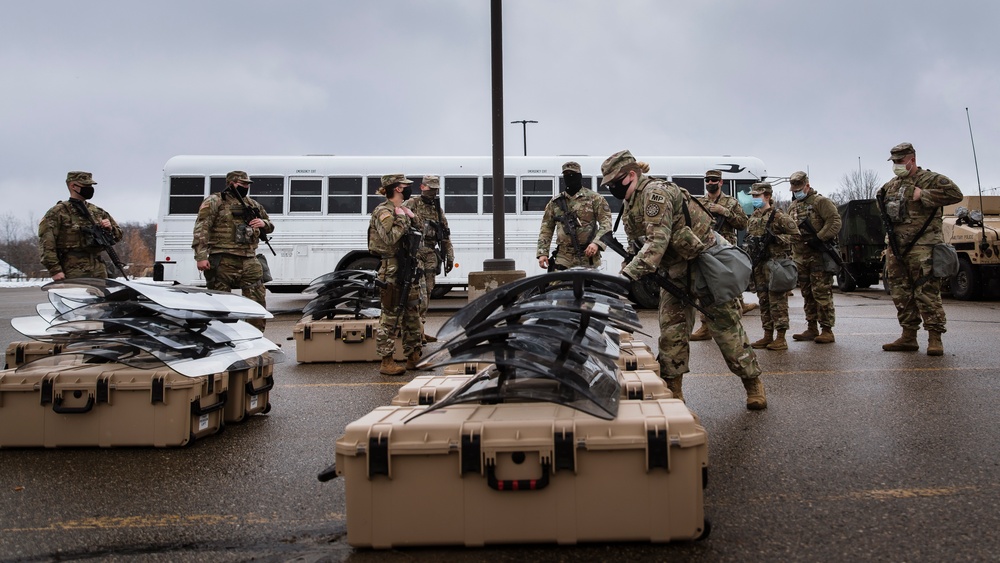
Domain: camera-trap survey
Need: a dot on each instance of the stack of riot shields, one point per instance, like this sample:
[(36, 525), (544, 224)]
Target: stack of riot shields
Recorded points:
[(339, 324), (552, 432), (116, 362)]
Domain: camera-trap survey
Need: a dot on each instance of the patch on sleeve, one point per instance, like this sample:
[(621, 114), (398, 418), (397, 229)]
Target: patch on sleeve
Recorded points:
[(943, 181), (652, 210), (655, 197)]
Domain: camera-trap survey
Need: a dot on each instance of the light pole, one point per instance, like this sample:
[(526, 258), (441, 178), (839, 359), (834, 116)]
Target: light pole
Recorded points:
[(524, 128)]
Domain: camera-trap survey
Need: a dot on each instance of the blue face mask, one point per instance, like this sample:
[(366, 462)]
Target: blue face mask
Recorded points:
[(758, 203), (799, 195)]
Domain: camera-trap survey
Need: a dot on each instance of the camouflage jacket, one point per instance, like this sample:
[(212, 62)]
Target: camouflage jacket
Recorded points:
[(823, 216), (936, 191), (386, 230), (593, 219), (221, 229), (735, 218), (658, 228), (431, 217), (782, 227), (63, 229)]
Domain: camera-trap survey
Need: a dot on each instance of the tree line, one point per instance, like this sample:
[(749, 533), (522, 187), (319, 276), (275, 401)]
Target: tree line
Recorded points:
[(19, 248)]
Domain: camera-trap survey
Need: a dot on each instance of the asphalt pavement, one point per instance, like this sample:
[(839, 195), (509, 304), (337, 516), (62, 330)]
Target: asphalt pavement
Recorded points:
[(861, 455)]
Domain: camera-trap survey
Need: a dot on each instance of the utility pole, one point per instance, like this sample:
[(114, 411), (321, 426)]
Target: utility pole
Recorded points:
[(524, 128)]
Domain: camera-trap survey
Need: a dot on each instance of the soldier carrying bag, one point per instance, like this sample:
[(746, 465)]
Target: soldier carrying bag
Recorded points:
[(944, 260), (722, 270)]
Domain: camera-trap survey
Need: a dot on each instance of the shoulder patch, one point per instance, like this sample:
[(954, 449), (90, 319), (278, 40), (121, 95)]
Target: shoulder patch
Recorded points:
[(652, 209), (943, 181), (656, 197)]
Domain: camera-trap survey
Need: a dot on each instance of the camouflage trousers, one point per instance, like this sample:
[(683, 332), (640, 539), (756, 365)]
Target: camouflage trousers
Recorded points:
[(773, 305), (227, 272), (429, 262), (676, 322), (83, 265), (392, 322), (566, 259), (817, 289), (915, 291)]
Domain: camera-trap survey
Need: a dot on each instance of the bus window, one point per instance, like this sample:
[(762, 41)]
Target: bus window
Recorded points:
[(535, 193), (344, 196), (613, 202), (305, 195), (509, 191), (186, 195), (742, 186), (460, 195), (374, 198), (269, 191), (696, 186), (216, 184)]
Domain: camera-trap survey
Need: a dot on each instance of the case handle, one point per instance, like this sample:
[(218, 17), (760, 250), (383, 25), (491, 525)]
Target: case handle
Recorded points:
[(517, 484), (198, 410), (268, 385), (57, 406)]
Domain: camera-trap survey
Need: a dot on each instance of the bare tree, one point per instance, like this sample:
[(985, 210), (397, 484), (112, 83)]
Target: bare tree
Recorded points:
[(857, 185)]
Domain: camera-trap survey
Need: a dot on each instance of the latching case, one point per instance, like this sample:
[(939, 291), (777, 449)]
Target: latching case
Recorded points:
[(339, 340)]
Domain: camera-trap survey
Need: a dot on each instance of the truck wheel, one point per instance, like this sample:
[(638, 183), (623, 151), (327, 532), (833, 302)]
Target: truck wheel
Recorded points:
[(965, 285), (845, 283), (440, 291), (646, 293), (364, 263)]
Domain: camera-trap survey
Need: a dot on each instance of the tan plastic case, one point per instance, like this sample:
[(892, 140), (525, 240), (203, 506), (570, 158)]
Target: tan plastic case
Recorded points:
[(107, 405), (522, 473), (250, 390), (20, 353), (339, 340)]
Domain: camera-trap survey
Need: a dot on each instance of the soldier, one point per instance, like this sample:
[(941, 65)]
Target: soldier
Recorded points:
[(768, 222), (815, 273), (428, 213), (728, 217), (669, 238), (576, 209), (226, 233), (912, 201), (65, 240), (389, 236)]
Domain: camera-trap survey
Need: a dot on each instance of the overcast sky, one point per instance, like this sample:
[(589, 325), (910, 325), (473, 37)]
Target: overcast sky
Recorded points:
[(119, 87)]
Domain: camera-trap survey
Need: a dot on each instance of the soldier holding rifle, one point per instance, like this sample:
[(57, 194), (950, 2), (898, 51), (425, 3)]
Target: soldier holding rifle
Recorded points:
[(226, 234), (768, 237), (395, 236), (582, 215), (73, 233), (436, 253)]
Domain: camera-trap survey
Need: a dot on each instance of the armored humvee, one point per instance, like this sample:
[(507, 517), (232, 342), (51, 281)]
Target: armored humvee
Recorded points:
[(972, 226)]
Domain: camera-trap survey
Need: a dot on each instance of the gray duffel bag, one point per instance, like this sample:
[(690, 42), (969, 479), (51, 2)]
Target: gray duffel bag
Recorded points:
[(944, 259), (722, 271), (783, 275)]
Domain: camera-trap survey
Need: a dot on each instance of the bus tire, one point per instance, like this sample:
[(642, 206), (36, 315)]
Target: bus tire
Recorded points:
[(440, 291), (364, 263)]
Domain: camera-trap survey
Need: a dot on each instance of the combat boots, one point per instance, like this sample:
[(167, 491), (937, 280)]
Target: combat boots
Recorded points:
[(701, 334), (674, 384), (756, 400), (390, 367), (413, 359), (934, 345), (779, 342), (808, 334), (825, 337), (906, 343), (763, 342)]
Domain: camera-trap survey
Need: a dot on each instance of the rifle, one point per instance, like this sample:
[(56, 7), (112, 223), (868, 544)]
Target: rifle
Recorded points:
[(441, 234), (251, 213), (890, 229), (764, 242), (569, 223), (611, 242), (407, 268), (101, 236), (827, 247)]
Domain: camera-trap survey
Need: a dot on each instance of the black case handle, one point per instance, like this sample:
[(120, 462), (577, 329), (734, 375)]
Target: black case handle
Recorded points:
[(57, 406)]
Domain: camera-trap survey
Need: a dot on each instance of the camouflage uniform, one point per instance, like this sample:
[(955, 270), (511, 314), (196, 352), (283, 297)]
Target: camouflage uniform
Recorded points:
[(655, 221), (593, 216), (386, 232), (63, 241), (816, 283), (773, 305), (915, 291), (222, 236), (431, 217)]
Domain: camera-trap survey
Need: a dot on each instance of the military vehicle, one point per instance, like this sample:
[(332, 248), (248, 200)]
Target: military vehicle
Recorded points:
[(971, 226), (861, 243)]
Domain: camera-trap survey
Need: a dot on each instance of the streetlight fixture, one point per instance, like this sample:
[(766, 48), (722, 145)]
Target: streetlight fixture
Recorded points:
[(524, 128)]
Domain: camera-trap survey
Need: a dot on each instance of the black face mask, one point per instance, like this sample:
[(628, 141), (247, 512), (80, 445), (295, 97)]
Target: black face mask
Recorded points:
[(617, 188), (712, 188), (429, 195), (86, 191), (407, 191), (573, 181)]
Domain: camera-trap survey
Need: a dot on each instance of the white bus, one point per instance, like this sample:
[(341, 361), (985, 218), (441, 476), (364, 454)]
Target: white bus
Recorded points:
[(320, 206)]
